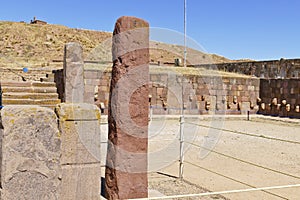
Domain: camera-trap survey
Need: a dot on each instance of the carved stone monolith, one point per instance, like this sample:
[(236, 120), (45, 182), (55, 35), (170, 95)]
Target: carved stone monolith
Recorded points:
[(126, 163), (73, 73)]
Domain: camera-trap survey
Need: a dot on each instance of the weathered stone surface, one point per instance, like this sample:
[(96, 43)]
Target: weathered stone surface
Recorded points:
[(126, 171), (80, 135), (73, 73), (77, 112), (81, 182), (30, 153), (245, 107)]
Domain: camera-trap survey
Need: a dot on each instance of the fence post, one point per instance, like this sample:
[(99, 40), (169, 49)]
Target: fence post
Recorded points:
[(181, 159)]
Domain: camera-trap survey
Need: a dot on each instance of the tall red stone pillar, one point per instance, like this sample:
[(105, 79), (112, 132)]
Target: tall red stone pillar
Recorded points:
[(126, 164)]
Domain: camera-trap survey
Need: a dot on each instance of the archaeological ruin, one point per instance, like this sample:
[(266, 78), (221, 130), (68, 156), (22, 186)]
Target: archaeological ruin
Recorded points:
[(50, 137)]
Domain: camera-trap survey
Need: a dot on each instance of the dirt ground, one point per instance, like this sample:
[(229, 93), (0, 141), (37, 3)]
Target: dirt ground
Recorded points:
[(164, 185), (234, 154), (224, 154)]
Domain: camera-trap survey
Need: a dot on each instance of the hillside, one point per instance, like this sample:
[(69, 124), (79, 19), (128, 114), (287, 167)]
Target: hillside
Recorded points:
[(22, 43)]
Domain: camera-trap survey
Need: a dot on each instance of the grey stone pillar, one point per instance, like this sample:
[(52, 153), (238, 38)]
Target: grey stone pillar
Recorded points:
[(126, 170), (73, 73), (30, 153), (80, 135)]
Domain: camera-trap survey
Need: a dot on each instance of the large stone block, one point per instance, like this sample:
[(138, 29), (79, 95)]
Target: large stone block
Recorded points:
[(77, 112), (80, 142), (30, 153), (81, 150)]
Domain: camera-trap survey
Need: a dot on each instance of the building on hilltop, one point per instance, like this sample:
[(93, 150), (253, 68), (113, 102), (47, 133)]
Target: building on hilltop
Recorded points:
[(36, 21)]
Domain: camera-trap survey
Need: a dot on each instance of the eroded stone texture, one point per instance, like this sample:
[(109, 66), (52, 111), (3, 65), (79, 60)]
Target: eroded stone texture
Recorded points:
[(30, 153), (73, 73), (126, 171), (80, 135)]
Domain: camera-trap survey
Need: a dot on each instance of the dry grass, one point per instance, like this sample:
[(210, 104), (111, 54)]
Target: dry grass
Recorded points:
[(38, 45)]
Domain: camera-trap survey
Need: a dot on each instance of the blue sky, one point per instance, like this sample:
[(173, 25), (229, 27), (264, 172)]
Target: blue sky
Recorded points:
[(255, 29)]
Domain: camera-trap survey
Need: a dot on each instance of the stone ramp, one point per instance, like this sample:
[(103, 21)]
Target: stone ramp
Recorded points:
[(29, 93)]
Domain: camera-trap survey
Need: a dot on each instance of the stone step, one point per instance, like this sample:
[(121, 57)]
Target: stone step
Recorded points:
[(27, 84), (19, 75), (23, 95), (41, 102), (48, 78), (47, 106), (9, 89)]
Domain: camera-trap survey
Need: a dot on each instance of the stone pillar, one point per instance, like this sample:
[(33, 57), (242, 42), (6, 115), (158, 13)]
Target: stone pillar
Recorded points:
[(30, 153), (80, 135), (73, 73), (126, 164)]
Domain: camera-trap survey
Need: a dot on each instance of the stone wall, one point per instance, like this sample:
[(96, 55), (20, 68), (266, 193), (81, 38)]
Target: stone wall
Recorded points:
[(280, 97), (231, 94), (283, 68), (202, 94)]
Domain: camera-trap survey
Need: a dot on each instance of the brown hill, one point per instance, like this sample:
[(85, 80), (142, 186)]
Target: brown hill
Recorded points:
[(39, 45)]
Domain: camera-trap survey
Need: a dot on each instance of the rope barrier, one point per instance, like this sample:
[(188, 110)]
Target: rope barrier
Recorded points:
[(248, 134), (243, 161), (233, 179), (222, 192)]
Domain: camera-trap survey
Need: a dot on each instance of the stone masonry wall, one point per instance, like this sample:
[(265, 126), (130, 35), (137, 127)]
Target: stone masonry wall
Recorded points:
[(202, 95), (280, 97), (283, 68), (208, 97)]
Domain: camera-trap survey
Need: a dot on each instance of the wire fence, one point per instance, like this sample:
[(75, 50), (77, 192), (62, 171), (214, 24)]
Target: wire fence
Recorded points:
[(253, 164), (252, 188), (223, 192)]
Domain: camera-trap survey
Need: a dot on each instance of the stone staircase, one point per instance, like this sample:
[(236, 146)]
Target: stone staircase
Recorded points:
[(42, 93)]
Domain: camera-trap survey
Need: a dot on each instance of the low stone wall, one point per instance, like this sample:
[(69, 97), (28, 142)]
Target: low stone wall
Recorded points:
[(280, 97), (283, 68)]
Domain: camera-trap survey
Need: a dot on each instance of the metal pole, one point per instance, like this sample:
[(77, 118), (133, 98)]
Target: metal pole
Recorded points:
[(181, 147), (184, 24), (0, 97), (181, 160)]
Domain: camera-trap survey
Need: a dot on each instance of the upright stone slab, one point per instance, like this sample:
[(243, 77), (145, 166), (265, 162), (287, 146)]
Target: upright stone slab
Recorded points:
[(73, 73), (80, 159), (126, 170), (30, 153)]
